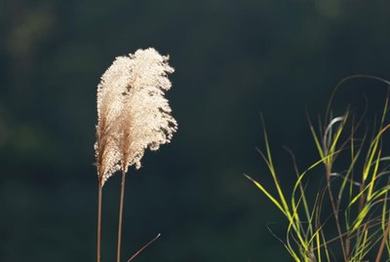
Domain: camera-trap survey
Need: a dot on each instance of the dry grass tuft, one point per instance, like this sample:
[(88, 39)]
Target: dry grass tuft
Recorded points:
[(133, 115)]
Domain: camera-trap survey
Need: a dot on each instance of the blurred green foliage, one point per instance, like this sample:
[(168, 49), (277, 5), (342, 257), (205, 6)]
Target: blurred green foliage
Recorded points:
[(233, 59)]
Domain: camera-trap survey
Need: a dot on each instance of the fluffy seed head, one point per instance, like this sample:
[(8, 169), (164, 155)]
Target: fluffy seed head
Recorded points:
[(133, 113)]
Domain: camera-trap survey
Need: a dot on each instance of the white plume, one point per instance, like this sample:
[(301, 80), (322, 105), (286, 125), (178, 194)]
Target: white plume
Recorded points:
[(133, 113)]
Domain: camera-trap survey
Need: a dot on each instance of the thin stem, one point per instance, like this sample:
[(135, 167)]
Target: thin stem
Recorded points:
[(99, 223), (383, 243), (143, 248), (335, 213), (121, 201)]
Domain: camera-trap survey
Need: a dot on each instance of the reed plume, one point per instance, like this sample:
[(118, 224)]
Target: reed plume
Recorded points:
[(133, 115)]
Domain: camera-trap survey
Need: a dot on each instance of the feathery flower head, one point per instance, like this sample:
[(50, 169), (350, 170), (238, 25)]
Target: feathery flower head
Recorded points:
[(133, 114)]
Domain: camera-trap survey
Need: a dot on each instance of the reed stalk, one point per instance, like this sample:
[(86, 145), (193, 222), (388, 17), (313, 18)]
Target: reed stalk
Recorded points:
[(120, 218), (99, 224)]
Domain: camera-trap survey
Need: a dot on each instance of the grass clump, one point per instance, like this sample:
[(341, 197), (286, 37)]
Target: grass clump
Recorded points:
[(348, 219)]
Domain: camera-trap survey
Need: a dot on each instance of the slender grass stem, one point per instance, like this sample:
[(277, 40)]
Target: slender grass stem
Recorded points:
[(144, 247), (383, 243), (99, 223), (335, 213), (120, 219)]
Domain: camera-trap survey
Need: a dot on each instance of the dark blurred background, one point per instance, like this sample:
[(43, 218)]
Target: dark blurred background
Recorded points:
[(233, 60)]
